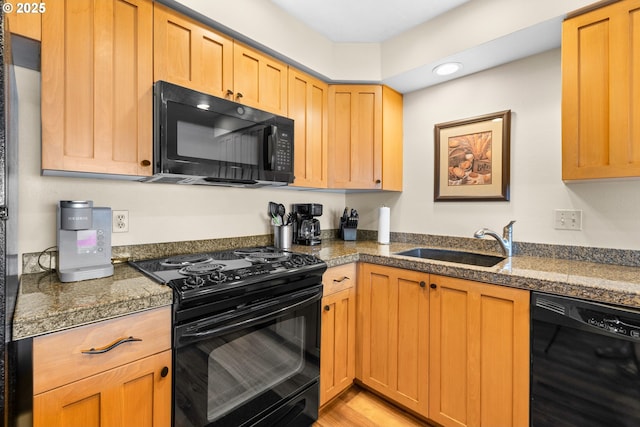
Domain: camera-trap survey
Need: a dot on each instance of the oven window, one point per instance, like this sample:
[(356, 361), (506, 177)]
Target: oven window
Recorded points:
[(244, 365), (219, 144)]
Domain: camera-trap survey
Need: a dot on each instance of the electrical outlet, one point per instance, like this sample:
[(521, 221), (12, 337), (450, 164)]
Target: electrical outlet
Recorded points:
[(567, 219), (120, 221)]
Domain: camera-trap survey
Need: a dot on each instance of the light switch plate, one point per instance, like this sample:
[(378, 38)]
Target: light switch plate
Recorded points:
[(568, 219)]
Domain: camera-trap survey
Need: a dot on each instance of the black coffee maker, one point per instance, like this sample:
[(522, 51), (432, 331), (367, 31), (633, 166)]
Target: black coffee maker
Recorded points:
[(307, 227)]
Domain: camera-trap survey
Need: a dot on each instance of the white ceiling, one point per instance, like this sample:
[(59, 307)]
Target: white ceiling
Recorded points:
[(365, 21)]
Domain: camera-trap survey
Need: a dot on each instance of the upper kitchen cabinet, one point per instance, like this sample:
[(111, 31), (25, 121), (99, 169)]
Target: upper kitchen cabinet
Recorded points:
[(308, 98), (189, 54), (365, 137), (26, 24), (600, 93), (97, 87), (259, 80)]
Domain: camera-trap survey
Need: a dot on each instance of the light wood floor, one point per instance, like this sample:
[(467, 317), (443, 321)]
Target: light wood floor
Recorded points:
[(360, 408)]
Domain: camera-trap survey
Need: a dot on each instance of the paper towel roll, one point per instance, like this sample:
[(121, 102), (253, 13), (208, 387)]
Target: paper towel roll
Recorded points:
[(384, 225)]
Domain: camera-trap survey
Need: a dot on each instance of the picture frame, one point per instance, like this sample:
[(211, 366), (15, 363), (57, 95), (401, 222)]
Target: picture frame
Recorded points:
[(472, 158)]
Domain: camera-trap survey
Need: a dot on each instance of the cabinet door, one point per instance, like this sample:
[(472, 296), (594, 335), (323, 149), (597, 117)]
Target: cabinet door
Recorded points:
[(394, 307), (309, 110), (337, 359), (479, 346), (600, 92), (259, 81), (26, 24), (189, 54), (355, 135), (392, 152), (136, 394), (97, 86)]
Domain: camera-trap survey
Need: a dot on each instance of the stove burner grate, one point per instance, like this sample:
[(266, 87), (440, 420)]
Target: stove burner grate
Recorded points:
[(262, 254), (200, 269), (186, 260)]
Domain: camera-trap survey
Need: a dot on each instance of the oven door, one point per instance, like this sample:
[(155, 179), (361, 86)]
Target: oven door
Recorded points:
[(254, 365)]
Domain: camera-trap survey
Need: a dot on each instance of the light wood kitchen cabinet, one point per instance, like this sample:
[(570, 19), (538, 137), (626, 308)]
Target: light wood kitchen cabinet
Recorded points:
[(600, 93), (479, 347), (190, 54), (393, 308), (97, 87), (308, 108), (365, 137), (129, 384), (337, 347), (259, 80), (26, 24)]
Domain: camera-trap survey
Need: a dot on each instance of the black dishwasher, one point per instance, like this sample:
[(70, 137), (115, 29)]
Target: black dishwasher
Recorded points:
[(584, 363)]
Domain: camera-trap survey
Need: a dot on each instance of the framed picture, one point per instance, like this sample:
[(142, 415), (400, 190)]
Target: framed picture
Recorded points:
[(472, 158)]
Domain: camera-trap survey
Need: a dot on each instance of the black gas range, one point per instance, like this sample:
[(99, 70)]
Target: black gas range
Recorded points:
[(246, 336)]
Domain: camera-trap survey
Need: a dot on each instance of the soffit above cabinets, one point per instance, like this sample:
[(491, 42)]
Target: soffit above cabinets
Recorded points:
[(365, 21)]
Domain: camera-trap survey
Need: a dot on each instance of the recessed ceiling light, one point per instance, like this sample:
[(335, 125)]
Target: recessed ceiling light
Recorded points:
[(447, 68), (203, 106)]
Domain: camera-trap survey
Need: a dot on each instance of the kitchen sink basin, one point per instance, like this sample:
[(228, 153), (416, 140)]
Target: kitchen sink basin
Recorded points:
[(460, 257)]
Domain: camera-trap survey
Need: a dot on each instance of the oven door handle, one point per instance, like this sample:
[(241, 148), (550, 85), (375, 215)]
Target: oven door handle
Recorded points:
[(233, 326)]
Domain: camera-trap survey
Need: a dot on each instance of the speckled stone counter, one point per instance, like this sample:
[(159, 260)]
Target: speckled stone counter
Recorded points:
[(46, 305)]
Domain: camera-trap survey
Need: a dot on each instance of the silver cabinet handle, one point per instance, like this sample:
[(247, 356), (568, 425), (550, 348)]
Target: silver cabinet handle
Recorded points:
[(110, 347), (341, 280)]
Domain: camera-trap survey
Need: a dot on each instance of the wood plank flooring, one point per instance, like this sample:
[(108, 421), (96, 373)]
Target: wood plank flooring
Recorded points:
[(360, 408)]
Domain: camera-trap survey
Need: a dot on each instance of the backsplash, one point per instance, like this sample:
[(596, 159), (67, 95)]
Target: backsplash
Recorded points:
[(33, 262)]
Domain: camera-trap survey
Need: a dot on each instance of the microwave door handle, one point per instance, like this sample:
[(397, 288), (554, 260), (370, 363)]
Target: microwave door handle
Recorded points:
[(270, 136)]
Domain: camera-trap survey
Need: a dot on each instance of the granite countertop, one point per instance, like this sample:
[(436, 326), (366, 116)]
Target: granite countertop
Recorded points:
[(46, 305)]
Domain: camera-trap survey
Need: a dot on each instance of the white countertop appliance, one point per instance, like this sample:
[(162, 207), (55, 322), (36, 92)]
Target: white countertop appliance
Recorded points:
[(84, 241)]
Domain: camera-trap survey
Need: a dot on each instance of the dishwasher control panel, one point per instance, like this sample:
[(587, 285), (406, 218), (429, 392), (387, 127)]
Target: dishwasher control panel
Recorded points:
[(610, 323)]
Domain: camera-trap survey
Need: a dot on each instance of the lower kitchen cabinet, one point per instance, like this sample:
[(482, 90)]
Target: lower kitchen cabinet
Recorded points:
[(135, 394), (479, 354), (393, 308), (337, 348), (111, 373)]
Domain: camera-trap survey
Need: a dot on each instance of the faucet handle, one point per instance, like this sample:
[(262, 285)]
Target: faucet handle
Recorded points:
[(508, 229)]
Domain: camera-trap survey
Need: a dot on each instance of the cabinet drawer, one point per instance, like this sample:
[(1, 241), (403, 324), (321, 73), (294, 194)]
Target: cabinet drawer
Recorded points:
[(338, 278), (58, 358)]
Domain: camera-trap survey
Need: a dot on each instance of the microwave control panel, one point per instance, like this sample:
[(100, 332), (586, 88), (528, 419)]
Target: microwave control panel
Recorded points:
[(283, 154)]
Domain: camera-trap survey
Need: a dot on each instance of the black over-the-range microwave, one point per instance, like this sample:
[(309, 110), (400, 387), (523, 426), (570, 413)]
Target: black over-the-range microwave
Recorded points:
[(203, 139)]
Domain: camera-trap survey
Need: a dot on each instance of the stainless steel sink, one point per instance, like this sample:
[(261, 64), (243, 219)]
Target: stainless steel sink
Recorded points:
[(460, 257)]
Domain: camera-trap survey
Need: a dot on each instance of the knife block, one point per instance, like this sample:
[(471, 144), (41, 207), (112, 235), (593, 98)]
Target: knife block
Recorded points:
[(349, 234)]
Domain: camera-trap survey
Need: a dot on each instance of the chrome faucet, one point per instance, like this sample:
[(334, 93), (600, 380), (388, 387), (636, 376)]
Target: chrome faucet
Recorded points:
[(506, 241)]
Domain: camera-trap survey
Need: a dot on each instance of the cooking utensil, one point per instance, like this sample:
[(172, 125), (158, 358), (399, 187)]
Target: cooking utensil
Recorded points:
[(281, 212), (290, 218), (273, 214)]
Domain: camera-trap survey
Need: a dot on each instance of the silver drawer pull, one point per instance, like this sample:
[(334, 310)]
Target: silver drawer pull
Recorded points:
[(341, 280), (110, 347)]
